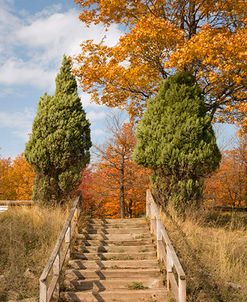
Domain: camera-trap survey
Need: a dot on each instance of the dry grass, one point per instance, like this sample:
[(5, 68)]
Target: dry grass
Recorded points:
[(27, 237), (214, 258)]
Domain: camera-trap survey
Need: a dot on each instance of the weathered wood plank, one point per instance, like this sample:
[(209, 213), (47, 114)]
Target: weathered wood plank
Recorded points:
[(16, 203), (56, 259), (59, 241), (3, 208), (166, 251), (174, 286)]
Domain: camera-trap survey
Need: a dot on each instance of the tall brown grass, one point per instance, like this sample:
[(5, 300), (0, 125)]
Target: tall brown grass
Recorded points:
[(27, 237), (214, 257)]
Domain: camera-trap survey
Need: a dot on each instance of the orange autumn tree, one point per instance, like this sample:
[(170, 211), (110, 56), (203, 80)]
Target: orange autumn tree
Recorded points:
[(118, 185), (92, 205), (7, 190), (16, 179), (204, 36), (228, 186), (23, 178)]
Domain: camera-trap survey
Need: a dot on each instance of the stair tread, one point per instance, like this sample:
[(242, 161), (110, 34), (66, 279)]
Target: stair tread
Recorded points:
[(80, 274), (112, 231), (93, 242), (114, 264), (126, 295), (117, 253), (117, 220), (114, 256), (115, 249), (114, 237), (109, 270), (134, 283)]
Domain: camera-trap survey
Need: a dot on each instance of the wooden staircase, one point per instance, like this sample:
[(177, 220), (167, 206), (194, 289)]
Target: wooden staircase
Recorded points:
[(114, 260)]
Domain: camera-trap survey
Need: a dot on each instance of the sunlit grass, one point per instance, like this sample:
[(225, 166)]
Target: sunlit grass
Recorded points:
[(27, 237), (214, 257)]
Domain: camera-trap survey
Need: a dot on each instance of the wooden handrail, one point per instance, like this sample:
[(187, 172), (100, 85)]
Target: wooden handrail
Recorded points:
[(58, 255), (16, 203), (165, 251)]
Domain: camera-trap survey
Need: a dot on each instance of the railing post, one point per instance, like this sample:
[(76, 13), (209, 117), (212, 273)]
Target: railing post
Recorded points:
[(56, 272), (152, 220), (153, 231), (168, 266), (182, 289), (67, 240), (42, 290), (158, 238), (147, 204), (76, 221)]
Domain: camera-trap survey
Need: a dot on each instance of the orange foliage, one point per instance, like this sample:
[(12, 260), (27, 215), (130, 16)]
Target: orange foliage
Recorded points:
[(228, 186), (6, 185), (205, 36), (115, 173), (219, 58), (16, 179), (91, 204)]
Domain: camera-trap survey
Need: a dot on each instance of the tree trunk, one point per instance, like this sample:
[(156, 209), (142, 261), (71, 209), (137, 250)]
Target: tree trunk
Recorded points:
[(122, 208), (130, 208), (192, 19)]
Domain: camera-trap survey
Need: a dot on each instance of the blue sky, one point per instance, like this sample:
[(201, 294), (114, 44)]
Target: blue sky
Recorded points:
[(34, 35)]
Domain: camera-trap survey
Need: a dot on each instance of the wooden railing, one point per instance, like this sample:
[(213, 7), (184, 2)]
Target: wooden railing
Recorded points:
[(176, 279), (5, 204), (49, 280), (16, 202)]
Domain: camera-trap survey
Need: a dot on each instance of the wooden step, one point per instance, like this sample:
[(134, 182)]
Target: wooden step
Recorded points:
[(116, 225), (99, 285), (114, 256), (113, 264), (102, 230), (114, 249), (115, 237), (76, 274), (98, 242), (118, 221), (123, 295)]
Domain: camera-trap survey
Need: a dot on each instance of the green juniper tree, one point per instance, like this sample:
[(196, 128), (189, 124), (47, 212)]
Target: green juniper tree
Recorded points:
[(176, 140), (58, 148)]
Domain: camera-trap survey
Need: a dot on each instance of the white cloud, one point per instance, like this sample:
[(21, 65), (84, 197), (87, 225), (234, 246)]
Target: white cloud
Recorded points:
[(14, 72), (86, 102), (20, 123), (31, 47), (96, 116), (8, 25)]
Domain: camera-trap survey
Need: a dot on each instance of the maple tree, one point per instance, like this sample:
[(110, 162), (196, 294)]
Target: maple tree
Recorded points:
[(16, 179), (118, 186), (204, 36), (6, 187), (228, 186), (92, 206)]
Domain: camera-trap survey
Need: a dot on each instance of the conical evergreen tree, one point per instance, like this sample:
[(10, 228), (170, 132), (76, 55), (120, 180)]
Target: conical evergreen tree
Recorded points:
[(175, 138), (60, 141)]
